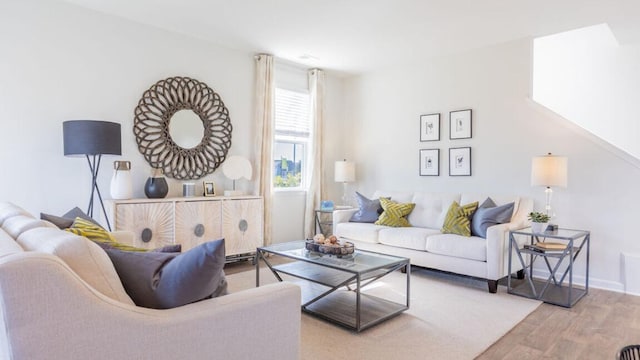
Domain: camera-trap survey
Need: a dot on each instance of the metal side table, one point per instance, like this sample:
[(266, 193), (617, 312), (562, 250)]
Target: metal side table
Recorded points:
[(559, 287)]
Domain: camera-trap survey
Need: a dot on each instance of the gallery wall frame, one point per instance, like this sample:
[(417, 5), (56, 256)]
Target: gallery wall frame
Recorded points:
[(460, 124), (430, 127), (429, 162), (460, 161)]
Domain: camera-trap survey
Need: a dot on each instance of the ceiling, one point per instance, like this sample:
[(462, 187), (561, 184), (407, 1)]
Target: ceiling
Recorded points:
[(356, 36)]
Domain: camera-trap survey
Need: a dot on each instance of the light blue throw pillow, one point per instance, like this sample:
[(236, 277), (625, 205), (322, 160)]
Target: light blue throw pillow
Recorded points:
[(368, 210), (488, 214)]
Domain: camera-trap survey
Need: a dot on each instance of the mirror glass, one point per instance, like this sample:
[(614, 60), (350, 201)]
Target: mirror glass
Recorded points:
[(186, 129)]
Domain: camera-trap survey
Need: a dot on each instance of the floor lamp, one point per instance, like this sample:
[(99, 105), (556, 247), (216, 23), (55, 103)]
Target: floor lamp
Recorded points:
[(92, 139), (345, 172), (549, 171)]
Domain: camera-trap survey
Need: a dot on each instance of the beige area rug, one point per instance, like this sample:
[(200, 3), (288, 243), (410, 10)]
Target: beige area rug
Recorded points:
[(450, 317)]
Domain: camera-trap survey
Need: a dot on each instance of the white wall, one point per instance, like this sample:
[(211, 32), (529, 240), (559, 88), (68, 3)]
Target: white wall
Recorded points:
[(61, 62), (587, 77), (507, 132)]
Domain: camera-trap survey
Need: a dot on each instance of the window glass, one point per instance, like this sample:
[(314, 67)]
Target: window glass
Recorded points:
[(292, 132)]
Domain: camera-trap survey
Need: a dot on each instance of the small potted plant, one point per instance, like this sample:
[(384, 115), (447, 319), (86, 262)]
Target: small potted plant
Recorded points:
[(539, 221)]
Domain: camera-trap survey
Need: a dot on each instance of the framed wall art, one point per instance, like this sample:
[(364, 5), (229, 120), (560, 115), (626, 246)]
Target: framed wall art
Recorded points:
[(430, 127), (429, 162), (460, 161), (460, 124)]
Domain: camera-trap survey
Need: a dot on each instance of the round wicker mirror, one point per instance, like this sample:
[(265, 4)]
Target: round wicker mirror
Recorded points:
[(152, 124)]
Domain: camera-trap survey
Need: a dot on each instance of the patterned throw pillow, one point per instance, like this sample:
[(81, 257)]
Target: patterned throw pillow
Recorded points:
[(394, 214), (98, 235), (458, 219)]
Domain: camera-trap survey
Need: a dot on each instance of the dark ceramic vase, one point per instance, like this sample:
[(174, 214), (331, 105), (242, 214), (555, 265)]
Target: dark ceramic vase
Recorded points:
[(156, 187)]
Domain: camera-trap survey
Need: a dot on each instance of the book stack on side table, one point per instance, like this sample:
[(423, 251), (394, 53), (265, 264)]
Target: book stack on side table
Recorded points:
[(547, 247)]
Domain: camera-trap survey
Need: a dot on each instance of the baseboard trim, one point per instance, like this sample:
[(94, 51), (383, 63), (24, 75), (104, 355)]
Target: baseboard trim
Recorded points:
[(593, 283)]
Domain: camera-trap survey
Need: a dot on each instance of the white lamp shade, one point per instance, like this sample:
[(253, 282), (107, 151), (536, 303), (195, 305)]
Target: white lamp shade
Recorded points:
[(549, 170), (237, 167), (345, 171)]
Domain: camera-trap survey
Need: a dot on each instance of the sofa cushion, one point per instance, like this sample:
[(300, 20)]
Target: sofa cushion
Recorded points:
[(168, 280), (395, 213), (488, 214), (458, 219), (84, 257), (358, 231), (8, 210), (431, 209), (409, 238), (8, 245), (368, 209), (16, 225), (399, 196), (473, 247)]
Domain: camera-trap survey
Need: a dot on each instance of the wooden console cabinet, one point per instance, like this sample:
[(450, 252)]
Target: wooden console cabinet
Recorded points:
[(191, 221)]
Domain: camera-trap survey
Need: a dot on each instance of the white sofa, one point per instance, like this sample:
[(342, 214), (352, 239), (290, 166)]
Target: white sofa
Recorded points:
[(427, 247), (61, 298)]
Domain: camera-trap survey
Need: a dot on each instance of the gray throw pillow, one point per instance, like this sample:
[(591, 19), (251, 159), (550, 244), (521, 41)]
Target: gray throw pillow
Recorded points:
[(59, 221), (488, 214), (368, 210), (160, 280), (65, 221)]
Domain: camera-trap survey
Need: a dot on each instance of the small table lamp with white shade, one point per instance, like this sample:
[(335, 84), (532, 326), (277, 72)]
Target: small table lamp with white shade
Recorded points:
[(345, 172), (549, 171), (235, 168)]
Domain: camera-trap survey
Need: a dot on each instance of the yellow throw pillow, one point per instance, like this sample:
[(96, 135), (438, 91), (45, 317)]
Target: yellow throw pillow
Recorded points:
[(394, 214), (458, 220), (98, 235)]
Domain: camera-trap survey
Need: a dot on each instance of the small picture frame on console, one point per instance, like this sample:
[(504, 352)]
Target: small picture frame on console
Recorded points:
[(209, 188), (430, 162), (430, 127), (460, 124), (460, 161)]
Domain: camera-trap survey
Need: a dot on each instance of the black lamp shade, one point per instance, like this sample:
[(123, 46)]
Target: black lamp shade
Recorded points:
[(91, 137)]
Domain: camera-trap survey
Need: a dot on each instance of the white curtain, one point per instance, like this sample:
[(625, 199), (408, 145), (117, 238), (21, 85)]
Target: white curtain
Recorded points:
[(315, 168), (264, 124)]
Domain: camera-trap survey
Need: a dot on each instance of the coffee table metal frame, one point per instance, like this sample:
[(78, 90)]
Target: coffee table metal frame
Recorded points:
[(332, 286)]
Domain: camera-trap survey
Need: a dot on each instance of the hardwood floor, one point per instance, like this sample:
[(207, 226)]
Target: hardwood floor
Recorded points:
[(595, 328)]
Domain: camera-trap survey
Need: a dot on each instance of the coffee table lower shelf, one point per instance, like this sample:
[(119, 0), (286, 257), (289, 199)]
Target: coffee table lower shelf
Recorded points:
[(340, 307)]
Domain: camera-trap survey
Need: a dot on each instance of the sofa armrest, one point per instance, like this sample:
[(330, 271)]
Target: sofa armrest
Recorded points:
[(342, 216), (44, 302), (498, 250)]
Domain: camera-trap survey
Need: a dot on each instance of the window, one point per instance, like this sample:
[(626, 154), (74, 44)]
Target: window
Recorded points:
[(292, 134)]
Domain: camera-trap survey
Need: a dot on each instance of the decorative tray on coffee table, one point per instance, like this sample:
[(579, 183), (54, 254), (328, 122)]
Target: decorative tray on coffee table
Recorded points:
[(330, 249)]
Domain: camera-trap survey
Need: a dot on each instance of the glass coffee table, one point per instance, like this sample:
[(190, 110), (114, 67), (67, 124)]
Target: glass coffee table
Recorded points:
[(332, 286)]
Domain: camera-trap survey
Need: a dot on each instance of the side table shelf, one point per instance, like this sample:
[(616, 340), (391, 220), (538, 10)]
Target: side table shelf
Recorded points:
[(324, 222), (559, 287)]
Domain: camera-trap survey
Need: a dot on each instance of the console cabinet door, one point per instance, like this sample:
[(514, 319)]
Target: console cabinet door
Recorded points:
[(242, 225), (198, 222), (151, 223)]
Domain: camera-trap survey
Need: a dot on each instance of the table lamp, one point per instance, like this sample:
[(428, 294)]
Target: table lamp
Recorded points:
[(549, 171), (345, 172), (235, 168), (92, 139)]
